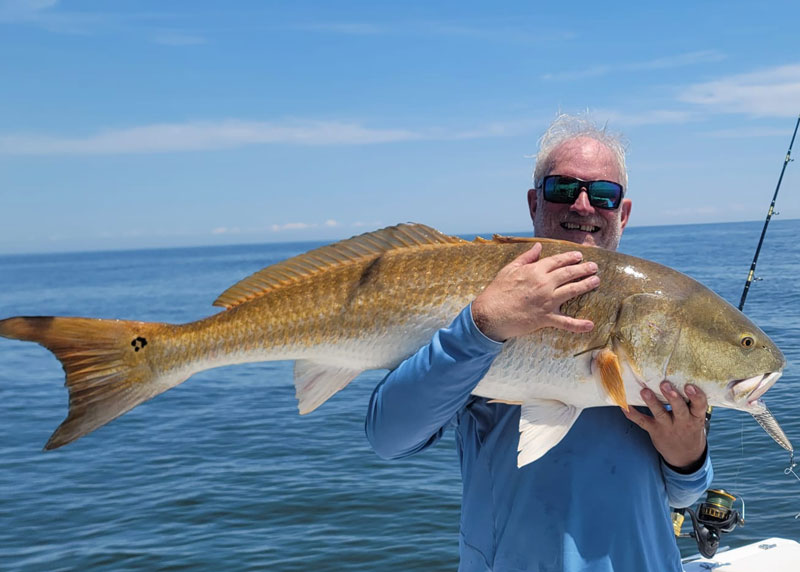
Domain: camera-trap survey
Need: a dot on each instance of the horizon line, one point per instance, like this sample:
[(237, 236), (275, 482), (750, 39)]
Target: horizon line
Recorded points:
[(319, 242)]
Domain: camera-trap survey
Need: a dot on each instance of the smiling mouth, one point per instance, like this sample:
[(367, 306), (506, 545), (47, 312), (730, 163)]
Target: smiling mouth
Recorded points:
[(580, 227)]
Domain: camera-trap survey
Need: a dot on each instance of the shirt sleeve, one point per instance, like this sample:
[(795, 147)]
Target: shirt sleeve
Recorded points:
[(413, 405), (683, 490)]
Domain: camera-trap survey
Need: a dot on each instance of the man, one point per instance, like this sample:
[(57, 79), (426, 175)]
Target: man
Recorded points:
[(599, 499)]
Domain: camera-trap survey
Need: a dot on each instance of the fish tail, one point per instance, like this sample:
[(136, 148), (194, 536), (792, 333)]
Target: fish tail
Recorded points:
[(107, 363)]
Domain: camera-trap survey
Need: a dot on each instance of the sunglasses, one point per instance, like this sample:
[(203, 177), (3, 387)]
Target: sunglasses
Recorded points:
[(602, 194)]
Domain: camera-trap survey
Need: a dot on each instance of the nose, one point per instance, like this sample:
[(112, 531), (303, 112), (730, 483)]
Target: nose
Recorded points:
[(582, 205)]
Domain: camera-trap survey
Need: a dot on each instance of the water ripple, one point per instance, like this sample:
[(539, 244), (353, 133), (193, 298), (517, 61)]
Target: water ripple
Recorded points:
[(222, 474)]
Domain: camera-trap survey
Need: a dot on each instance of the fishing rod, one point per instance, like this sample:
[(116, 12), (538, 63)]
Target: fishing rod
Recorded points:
[(716, 515), (765, 418), (769, 216)]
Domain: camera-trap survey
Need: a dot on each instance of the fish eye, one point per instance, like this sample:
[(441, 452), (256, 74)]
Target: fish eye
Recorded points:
[(747, 341)]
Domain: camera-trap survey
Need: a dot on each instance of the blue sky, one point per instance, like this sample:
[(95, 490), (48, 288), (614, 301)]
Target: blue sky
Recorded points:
[(132, 124)]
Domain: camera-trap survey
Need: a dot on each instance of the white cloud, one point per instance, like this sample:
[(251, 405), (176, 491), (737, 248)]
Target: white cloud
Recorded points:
[(708, 211), (225, 230), (292, 226), (773, 92), (593, 71), (288, 226), (46, 14), (54, 16), (679, 60), (23, 10), (485, 31), (497, 31), (204, 136), (494, 129), (748, 132), (171, 137), (650, 117)]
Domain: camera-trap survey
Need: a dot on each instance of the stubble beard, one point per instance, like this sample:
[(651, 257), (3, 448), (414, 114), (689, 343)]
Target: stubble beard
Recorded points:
[(602, 232)]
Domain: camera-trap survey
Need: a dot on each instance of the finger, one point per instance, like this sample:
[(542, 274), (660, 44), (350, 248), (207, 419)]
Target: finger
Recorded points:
[(698, 402), (680, 410), (644, 421), (558, 260), (575, 289), (570, 324), (660, 414), (530, 255), (567, 274)]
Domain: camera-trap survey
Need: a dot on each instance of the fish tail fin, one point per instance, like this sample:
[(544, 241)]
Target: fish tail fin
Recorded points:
[(107, 363)]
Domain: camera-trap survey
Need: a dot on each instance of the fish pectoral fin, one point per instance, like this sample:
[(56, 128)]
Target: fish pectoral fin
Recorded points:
[(542, 425), (315, 382), (610, 372)]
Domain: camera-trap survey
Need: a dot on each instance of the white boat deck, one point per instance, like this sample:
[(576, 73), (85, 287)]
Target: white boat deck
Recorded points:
[(770, 555)]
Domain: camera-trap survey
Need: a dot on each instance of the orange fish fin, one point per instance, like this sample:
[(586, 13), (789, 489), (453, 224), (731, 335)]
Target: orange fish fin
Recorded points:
[(499, 238), (315, 383), (357, 248), (106, 362), (611, 374), (503, 401)]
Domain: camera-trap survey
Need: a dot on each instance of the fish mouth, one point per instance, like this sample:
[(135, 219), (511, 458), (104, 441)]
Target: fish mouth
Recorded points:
[(581, 227), (752, 388)]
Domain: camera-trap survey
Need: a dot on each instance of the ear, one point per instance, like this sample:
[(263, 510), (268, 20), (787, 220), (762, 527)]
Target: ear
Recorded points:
[(625, 212), (532, 202)]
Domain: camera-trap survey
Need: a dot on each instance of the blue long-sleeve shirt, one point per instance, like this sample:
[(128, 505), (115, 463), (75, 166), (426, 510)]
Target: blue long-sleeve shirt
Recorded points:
[(597, 501)]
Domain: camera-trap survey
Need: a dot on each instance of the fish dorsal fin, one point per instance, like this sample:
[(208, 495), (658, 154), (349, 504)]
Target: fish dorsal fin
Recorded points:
[(368, 245), (502, 239), (499, 238), (542, 425)]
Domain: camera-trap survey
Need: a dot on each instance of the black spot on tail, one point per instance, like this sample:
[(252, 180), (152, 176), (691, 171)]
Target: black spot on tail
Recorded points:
[(42, 322), (139, 343)]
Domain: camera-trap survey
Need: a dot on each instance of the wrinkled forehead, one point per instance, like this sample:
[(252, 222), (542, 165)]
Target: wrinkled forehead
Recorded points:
[(586, 159)]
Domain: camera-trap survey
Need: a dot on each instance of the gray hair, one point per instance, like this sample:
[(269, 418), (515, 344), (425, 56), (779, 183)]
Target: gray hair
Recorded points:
[(567, 127)]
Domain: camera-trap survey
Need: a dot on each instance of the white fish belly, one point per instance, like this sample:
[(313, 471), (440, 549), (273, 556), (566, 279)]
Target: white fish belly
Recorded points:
[(526, 371)]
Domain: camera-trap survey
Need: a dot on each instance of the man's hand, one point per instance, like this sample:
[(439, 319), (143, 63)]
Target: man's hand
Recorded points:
[(679, 435), (526, 295)]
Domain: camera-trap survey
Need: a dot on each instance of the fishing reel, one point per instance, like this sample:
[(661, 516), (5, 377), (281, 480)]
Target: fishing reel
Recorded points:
[(714, 517)]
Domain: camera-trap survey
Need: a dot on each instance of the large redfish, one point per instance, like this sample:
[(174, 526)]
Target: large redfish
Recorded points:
[(371, 301)]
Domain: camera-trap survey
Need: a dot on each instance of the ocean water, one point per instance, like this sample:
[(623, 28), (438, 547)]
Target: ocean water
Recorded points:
[(221, 473)]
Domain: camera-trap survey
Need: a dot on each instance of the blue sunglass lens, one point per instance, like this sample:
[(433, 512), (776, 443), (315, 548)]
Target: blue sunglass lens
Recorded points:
[(561, 190), (605, 194), (602, 194)]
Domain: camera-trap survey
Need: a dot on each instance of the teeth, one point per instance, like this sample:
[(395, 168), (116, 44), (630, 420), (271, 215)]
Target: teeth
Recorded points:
[(583, 227)]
